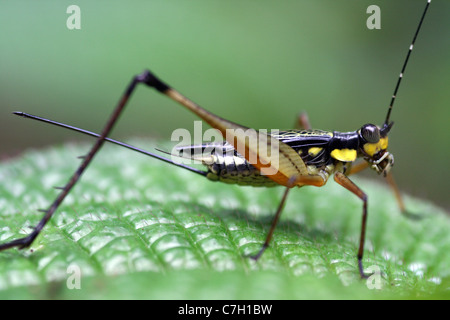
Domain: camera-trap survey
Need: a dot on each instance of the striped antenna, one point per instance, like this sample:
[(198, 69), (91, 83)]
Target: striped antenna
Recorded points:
[(386, 122)]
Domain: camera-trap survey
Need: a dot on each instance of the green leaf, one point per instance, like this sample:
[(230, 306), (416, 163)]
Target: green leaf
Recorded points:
[(138, 228)]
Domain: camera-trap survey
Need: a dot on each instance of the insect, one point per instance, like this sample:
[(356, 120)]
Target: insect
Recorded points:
[(296, 158)]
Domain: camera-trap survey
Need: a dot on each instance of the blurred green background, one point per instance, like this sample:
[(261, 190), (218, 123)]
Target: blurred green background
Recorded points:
[(254, 62)]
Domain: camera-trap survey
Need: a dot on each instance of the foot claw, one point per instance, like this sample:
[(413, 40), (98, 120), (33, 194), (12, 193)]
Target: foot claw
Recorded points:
[(256, 257)]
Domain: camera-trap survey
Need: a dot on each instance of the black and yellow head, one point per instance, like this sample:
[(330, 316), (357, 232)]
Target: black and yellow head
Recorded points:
[(373, 146)]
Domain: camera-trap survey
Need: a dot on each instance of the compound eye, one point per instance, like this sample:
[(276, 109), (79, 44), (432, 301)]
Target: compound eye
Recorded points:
[(370, 133)]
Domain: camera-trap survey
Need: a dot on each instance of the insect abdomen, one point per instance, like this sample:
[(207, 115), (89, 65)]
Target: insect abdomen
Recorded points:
[(234, 169)]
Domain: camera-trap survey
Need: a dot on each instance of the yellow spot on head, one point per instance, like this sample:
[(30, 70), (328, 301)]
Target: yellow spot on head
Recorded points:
[(346, 155), (372, 148)]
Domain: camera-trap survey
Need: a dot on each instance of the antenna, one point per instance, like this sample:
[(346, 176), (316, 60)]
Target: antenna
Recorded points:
[(386, 122), (122, 144)]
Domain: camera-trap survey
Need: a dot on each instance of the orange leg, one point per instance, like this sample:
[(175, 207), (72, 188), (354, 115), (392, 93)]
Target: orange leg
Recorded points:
[(344, 181), (358, 167), (390, 180), (293, 181), (272, 227), (398, 196)]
